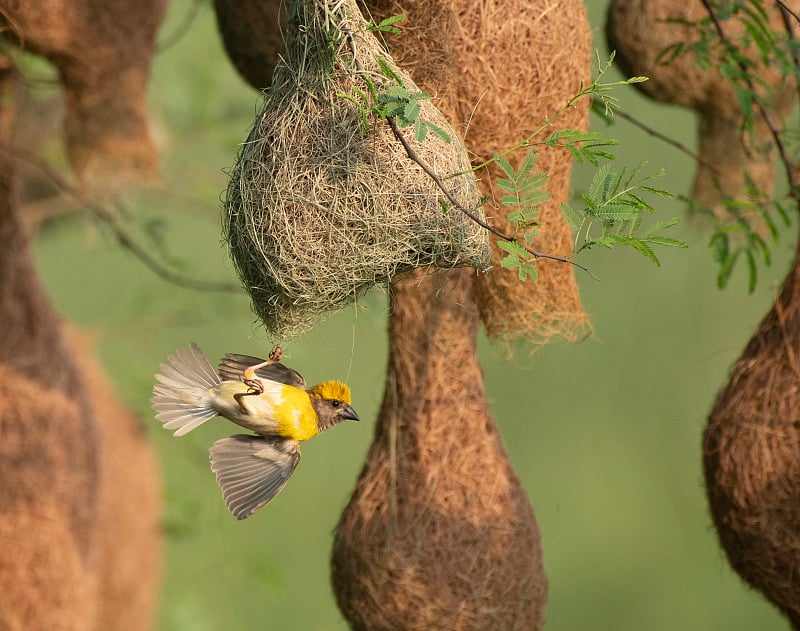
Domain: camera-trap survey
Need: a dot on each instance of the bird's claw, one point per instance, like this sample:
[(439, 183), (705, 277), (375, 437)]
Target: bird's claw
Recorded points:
[(254, 386), (249, 373), (253, 383)]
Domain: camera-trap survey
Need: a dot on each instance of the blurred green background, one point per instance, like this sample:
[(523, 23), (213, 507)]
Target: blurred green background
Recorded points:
[(605, 435)]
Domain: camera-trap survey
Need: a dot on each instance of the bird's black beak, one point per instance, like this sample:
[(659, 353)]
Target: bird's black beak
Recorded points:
[(349, 413)]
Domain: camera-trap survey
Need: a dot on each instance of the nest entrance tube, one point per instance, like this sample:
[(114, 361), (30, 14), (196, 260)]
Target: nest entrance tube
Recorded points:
[(323, 204), (439, 533)]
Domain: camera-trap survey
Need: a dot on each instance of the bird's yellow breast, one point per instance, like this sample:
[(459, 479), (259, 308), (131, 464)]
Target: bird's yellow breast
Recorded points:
[(281, 410), (295, 414)]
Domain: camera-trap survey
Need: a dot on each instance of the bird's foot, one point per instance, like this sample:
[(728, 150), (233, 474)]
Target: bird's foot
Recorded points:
[(253, 383), (249, 373), (254, 388)]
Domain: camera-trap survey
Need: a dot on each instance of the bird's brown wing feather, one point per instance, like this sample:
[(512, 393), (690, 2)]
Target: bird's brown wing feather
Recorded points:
[(232, 365), (252, 470)]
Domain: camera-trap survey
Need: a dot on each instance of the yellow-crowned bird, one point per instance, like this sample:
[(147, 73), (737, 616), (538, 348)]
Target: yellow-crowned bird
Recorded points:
[(265, 397)]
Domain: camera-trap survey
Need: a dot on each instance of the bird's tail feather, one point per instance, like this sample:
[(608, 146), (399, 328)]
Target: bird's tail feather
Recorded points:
[(180, 397)]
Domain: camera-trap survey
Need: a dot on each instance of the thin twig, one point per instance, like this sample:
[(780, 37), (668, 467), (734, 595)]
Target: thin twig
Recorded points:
[(664, 138), (788, 11), (111, 220), (790, 21), (438, 181), (762, 109), (183, 27), (140, 252)]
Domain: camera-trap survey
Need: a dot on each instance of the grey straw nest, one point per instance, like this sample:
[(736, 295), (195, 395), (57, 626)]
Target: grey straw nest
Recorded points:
[(321, 208)]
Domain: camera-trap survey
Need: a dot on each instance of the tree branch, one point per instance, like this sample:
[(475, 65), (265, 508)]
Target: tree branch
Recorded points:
[(664, 138), (791, 172), (123, 237), (498, 233), (790, 22)]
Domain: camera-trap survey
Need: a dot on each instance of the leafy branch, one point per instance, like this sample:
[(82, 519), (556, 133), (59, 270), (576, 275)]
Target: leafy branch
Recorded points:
[(602, 93), (387, 25), (525, 190), (613, 210), (111, 219), (615, 201), (741, 61), (737, 67), (505, 238), (736, 240), (772, 49), (393, 101)]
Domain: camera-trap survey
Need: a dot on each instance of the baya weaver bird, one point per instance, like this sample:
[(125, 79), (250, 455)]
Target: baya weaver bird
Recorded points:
[(264, 397)]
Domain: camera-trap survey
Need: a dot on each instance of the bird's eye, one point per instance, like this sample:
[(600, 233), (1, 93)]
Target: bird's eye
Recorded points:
[(336, 403)]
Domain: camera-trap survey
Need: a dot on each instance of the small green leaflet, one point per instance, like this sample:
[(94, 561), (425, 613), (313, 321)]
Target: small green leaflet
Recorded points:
[(388, 25), (518, 258), (404, 106), (525, 189), (614, 205), (584, 146)]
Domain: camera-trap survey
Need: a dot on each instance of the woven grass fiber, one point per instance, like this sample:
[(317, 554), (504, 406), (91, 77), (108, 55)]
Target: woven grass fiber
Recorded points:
[(751, 453), (439, 533), (640, 31), (79, 504), (102, 50), (497, 69), (128, 522), (317, 213)]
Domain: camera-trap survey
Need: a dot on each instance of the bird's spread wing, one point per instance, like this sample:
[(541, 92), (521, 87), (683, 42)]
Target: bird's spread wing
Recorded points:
[(232, 365), (251, 470)]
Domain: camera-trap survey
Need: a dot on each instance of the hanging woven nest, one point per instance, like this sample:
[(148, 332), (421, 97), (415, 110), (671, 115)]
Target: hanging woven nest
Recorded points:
[(439, 533), (734, 162), (498, 69), (751, 453), (252, 35), (103, 51), (323, 203)]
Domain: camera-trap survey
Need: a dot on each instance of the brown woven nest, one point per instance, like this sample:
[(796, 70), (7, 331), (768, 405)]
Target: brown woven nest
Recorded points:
[(535, 56), (252, 35), (127, 561), (498, 69), (751, 452), (439, 533), (642, 31), (317, 212), (103, 51), (79, 502)]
